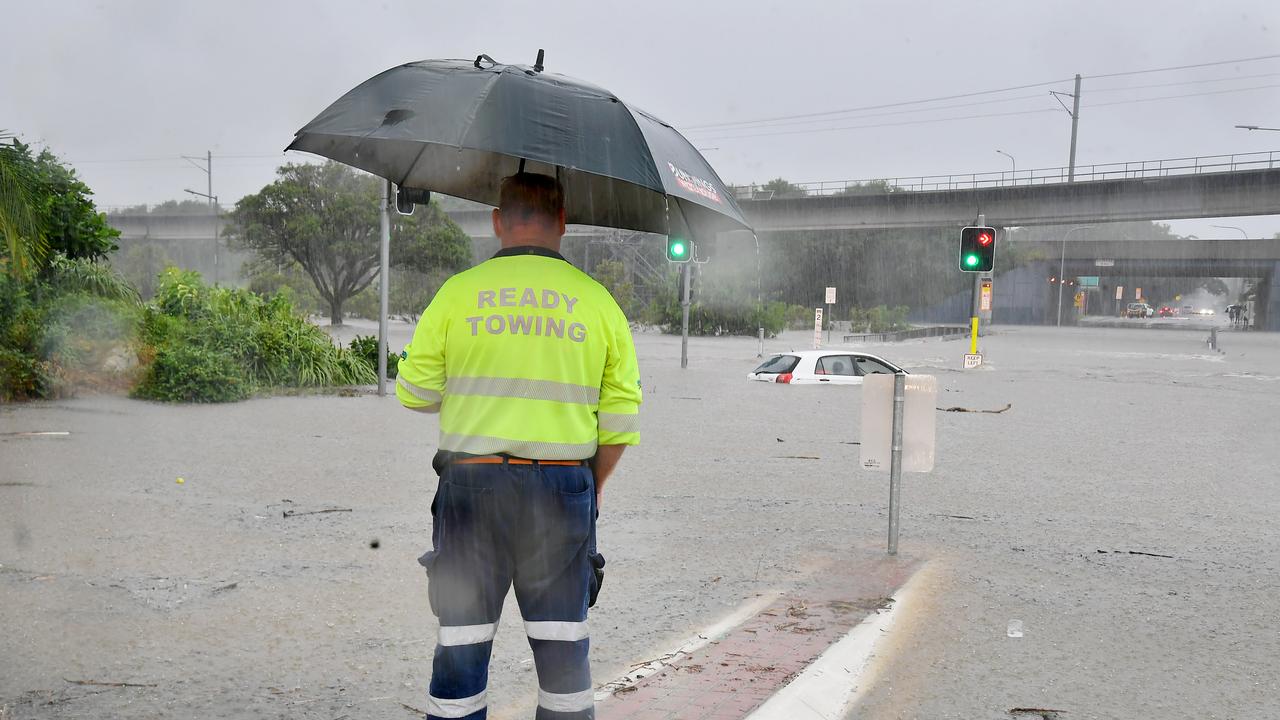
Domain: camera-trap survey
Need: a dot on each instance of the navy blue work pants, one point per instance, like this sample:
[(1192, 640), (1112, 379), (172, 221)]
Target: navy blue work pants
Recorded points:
[(498, 525)]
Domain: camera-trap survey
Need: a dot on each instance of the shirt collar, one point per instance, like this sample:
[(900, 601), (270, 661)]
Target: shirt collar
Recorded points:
[(529, 250)]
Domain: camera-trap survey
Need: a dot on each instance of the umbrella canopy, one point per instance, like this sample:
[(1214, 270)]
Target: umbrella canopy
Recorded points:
[(458, 127)]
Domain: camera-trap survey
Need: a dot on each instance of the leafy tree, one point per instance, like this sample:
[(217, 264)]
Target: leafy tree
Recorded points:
[(325, 218), (613, 276), (871, 187), (24, 240), (169, 207), (782, 188), (59, 216)]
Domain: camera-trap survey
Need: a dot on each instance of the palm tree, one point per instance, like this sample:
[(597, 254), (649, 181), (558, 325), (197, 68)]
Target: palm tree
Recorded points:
[(19, 220)]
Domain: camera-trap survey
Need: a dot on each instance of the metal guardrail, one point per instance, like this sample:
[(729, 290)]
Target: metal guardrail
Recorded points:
[(913, 334), (1133, 170)]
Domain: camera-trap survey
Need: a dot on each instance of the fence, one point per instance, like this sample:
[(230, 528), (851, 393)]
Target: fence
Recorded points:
[(1132, 170), (913, 334)]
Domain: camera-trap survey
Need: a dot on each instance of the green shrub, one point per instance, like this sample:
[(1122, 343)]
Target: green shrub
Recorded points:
[(879, 319), (264, 340), (185, 372), (365, 347), (22, 376)]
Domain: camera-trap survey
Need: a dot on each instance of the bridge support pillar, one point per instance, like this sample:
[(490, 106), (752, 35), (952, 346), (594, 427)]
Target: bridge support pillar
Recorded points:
[(1267, 305)]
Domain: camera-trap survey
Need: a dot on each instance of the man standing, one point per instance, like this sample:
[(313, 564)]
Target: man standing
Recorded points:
[(530, 363)]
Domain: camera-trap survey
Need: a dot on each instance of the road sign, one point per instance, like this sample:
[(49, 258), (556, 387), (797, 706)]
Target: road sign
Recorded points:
[(831, 296), (1119, 292), (1079, 299), (919, 414), (1104, 263), (984, 296), (1089, 280), (817, 328), (972, 361)]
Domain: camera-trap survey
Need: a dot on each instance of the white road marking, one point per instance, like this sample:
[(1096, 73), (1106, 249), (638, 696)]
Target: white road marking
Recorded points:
[(709, 634), (842, 674)]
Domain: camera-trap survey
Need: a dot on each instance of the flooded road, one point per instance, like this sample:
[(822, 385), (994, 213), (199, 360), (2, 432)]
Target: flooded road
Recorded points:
[(1121, 510)]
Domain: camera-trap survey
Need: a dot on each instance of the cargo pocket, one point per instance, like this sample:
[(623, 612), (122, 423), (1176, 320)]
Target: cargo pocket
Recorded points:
[(428, 562), (596, 581)]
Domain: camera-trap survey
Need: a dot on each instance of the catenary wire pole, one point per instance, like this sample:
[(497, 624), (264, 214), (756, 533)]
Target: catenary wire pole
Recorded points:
[(207, 169), (1075, 124)]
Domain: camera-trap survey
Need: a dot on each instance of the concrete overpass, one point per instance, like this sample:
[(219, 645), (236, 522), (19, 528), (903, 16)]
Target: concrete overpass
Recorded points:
[(1028, 294), (1231, 258), (1205, 195)]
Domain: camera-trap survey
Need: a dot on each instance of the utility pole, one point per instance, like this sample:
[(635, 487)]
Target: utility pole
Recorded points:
[(207, 169), (1075, 124)]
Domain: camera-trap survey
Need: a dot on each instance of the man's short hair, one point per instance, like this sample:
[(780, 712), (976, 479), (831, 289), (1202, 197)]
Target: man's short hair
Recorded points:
[(530, 196)]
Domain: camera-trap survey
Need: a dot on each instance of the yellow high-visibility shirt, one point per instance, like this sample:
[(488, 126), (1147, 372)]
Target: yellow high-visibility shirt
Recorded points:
[(526, 355)]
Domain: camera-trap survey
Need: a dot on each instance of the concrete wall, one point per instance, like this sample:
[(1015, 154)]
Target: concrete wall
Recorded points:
[(1022, 297)]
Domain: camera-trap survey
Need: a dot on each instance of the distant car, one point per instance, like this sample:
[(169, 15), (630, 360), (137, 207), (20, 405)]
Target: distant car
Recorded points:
[(1138, 310), (1166, 311), (1204, 311), (822, 367)]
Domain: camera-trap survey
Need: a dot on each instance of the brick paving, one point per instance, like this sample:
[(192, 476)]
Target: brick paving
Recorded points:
[(729, 678)]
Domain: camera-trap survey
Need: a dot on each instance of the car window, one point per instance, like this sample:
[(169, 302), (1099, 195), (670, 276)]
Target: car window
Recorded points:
[(868, 366), (778, 364), (834, 365)]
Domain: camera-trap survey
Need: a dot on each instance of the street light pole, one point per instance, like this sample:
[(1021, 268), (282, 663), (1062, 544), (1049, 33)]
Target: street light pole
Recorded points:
[(1243, 234), (1015, 165), (1255, 127), (1062, 265)]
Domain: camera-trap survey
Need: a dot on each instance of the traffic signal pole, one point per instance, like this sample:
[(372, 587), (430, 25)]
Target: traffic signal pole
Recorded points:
[(684, 319)]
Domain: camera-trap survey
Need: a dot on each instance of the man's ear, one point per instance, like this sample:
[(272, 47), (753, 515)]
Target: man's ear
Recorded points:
[(561, 221), (497, 224)]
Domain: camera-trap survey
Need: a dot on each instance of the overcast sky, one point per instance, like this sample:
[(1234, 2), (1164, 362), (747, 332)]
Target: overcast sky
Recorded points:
[(123, 89)]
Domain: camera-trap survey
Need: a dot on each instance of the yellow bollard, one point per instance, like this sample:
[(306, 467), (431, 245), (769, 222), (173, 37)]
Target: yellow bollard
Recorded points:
[(973, 337)]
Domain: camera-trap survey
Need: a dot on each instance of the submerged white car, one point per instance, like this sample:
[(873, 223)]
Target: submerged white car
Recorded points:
[(816, 367)]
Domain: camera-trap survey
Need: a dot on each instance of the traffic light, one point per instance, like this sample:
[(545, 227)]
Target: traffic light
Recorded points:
[(679, 250), (977, 249)]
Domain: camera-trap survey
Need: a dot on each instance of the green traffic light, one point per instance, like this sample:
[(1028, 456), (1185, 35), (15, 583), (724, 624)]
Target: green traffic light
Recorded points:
[(677, 249), (971, 260)]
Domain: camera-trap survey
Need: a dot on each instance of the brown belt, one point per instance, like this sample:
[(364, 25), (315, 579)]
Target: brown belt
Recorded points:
[(499, 460)]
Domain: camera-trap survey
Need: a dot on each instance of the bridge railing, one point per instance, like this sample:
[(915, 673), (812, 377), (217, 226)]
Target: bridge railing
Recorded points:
[(1036, 176)]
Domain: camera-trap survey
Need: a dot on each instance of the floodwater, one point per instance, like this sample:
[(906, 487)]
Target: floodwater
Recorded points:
[(1121, 509)]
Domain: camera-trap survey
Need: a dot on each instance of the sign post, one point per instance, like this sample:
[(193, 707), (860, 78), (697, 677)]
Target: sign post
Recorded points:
[(898, 432), (831, 300), (817, 328)]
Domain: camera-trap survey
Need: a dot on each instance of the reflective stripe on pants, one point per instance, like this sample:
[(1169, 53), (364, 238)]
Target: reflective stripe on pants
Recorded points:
[(499, 525)]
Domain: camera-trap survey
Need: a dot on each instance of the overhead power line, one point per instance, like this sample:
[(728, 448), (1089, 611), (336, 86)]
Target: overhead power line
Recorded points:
[(925, 101), (1183, 67), (877, 107), (978, 116)]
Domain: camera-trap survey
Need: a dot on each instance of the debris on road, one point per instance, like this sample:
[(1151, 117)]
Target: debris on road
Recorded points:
[(99, 683), (1044, 713), (296, 513), (38, 433), (957, 408), (1133, 552)]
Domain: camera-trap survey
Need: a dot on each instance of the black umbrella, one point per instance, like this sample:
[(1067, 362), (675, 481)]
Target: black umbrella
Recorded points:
[(458, 127)]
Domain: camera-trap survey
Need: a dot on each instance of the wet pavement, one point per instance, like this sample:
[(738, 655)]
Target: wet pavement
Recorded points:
[(1121, 509)]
